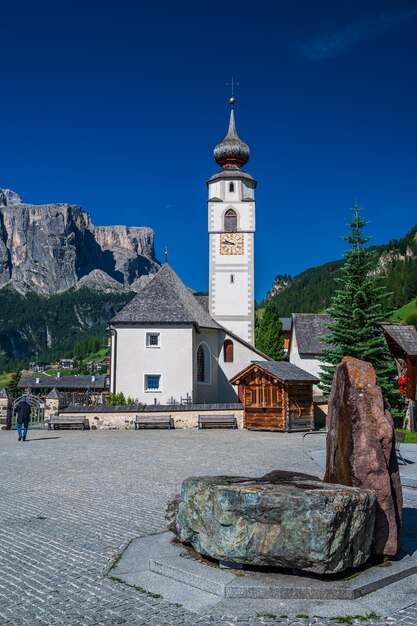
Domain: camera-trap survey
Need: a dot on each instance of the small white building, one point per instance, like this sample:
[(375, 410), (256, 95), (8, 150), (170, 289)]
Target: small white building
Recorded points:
[(306, 344)]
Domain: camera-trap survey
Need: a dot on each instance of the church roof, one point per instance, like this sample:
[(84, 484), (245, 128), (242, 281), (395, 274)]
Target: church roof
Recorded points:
[(234, 173), (232, 151), (165, 300)]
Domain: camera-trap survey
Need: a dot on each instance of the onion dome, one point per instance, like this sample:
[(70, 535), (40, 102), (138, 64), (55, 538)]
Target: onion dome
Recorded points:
[(232, 151)]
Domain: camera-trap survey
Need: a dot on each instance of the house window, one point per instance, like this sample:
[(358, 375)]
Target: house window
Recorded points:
[(230, 220), (228, 351), (203, 364), (152, 340), (152, 382), (231, 187), (232, 279)]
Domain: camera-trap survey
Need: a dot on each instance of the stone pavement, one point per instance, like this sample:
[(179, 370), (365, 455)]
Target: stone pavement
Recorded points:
[(70, 500)]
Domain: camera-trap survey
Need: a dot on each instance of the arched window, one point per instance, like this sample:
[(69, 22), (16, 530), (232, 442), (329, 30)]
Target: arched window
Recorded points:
[(230, 220), (228, 351), (203, 364), (231, 187)]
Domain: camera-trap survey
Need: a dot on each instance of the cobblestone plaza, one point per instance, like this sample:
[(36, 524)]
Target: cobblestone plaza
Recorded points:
[(70, 500)]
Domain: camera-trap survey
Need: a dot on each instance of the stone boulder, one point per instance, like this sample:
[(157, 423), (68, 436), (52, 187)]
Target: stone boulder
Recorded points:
[(283, 519), (361, 447)]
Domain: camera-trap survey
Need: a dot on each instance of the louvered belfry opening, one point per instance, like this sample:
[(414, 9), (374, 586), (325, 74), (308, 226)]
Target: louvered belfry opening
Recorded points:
[(230, 220)]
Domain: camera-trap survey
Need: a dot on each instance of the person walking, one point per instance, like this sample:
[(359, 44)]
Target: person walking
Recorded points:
[(23, 412)]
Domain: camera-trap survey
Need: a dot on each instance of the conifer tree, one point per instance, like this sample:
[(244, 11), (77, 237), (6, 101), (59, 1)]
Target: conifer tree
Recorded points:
[(13, 382), (358, 308), (268, 332)]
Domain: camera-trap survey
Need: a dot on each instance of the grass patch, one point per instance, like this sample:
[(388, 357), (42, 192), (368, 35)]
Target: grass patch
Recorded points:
[(303, 615), (270, 615), (405, 311), (40, 517), (5, 379), (349, 619), (116, 579), (118, 557), (409, 436)]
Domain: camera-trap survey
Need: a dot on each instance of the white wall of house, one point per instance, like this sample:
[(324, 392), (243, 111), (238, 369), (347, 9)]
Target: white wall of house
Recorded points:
[(307, 362), (172, 360)]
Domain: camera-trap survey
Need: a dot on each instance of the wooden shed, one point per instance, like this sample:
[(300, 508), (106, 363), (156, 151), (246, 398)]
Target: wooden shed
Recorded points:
[(277, 395)]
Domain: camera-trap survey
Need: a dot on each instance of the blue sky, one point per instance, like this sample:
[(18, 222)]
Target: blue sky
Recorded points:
[(117, 106)]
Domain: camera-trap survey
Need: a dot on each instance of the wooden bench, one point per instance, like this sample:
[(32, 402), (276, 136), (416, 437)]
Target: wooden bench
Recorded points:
[(296, 423), (399, 439), (156, 421), (58, 422), (217, 421)]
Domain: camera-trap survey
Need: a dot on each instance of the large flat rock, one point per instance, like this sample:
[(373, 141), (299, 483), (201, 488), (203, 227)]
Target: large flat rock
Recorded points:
[(283, 519)]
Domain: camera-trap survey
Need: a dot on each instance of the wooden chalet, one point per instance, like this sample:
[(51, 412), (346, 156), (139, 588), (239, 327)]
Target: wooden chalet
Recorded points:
[(276, 395)]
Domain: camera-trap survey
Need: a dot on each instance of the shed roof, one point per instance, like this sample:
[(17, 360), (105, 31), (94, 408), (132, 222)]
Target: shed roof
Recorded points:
[(4, 393), (308, 328), (165, 300), (404, 336), (285, 371), (63, 382)]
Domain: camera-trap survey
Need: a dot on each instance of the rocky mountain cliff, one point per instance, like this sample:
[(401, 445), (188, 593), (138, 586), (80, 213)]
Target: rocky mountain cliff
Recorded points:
[(49, 248)]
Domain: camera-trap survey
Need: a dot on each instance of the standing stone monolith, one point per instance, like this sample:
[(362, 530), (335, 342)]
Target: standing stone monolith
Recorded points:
[(361, 447)]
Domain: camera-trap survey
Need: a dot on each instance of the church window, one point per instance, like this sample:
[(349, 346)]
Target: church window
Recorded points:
[(231, 187), (232, 279), (152, 382), (230, 220), (228, 351), (203, 364), (152, 340)]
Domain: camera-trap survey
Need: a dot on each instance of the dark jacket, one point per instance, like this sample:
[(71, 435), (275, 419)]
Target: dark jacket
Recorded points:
[(23, 412)]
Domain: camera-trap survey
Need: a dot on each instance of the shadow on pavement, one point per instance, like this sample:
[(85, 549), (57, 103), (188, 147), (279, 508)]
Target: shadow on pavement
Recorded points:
[(409, 534), (41, 439)]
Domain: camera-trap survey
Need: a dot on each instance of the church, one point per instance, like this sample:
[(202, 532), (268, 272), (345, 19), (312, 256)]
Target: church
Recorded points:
[(170, 346)]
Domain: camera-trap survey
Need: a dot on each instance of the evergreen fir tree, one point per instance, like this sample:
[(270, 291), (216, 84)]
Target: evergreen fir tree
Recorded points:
[(358, 309), (268, 332), (14, 381)]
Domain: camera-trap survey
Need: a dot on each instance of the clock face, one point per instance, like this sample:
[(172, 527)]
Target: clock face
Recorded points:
[(231, 243)]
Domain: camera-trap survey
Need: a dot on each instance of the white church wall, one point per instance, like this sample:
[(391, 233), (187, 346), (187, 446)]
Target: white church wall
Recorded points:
[(242, 357), (172, 361)]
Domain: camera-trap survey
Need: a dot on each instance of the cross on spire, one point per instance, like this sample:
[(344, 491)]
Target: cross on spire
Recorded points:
[(232, 84)]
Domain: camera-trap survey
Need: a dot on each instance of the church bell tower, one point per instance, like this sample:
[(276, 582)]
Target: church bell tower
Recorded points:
[(231, 226)]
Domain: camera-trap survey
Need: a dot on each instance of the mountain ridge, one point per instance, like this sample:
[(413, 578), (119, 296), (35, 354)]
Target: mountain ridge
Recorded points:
[(311, 290)]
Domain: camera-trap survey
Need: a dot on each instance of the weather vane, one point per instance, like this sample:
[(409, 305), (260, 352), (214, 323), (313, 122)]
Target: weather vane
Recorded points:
[(166, 254), (232, 84)]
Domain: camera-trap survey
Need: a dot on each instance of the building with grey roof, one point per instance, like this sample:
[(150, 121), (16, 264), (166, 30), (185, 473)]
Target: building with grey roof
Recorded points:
[(166, 347), (306, 343)]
